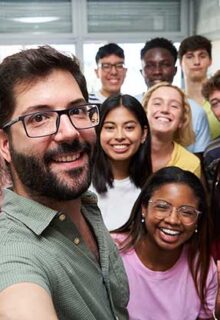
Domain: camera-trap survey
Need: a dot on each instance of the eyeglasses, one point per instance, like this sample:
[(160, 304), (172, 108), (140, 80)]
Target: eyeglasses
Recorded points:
[(107, 67), (162, 209), (45, 123)]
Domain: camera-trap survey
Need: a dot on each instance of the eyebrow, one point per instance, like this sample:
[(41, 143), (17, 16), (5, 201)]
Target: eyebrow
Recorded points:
[(38, 107), (112, 122)]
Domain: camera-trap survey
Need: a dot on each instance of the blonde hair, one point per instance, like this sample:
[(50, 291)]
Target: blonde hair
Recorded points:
[(185, 134)]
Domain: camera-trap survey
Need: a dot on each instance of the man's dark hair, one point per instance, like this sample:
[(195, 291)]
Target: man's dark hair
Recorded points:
[(27, 67), (211, 85), (194, 43), (107, 50), (160, 43)]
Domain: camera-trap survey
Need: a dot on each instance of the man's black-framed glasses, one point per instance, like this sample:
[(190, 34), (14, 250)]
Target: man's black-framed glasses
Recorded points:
[(46, 123)]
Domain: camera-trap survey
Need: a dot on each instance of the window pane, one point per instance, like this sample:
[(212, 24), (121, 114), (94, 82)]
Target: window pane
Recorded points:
[(134, 16), (35, 16)]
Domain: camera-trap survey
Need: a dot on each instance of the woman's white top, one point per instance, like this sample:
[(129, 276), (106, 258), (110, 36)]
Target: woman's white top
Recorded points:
[(117, 202)]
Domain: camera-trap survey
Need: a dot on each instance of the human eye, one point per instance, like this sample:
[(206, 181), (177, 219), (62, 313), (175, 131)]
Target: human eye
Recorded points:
[(38, 118), (161, 205), (157, 103), (108, 127), (189, 55), (78, 111), (165, 65), (130, 127), (119, 65), (215, 103), (105, 66), (175, 106), (203, 55), (187, 211), (149, 65)]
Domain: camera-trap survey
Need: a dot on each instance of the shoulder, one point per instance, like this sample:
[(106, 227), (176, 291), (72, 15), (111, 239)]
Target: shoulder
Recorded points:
[(195, 107)]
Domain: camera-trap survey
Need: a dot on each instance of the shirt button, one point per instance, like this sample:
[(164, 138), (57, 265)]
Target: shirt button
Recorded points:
[(76, 241), (62, 217)]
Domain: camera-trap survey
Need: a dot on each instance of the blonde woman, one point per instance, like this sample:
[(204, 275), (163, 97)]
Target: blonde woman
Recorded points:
[(170, 120)]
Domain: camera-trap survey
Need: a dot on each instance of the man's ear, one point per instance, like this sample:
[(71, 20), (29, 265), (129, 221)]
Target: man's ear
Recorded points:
[(97, 72), (175, 71), (4, 146)]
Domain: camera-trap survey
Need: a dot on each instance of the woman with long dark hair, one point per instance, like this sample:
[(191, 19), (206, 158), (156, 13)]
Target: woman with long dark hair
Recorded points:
[(165, 247), (122, 157)]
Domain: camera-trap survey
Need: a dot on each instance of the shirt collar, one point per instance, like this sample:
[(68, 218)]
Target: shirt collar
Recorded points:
[(34, 215)]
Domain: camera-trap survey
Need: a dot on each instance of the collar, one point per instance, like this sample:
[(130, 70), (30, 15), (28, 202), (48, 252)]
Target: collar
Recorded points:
[(33, 214)]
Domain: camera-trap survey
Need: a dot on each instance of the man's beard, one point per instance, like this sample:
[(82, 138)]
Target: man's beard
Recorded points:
[(40, 181)]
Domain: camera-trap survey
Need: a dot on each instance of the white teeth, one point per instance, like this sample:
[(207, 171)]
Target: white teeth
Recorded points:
[(68, 158), (170, 232), (120, 146), (162, 119)]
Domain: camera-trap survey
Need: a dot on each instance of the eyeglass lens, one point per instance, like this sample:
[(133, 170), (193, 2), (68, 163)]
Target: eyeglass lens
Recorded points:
[(46, 122), (162, 209)]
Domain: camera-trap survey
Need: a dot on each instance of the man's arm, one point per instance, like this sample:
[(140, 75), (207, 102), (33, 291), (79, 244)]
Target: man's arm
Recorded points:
[(26, 301)]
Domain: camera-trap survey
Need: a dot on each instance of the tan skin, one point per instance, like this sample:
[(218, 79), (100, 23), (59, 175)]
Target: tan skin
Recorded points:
[(165, 104), (27, 300), (195, 65), (121, 137)]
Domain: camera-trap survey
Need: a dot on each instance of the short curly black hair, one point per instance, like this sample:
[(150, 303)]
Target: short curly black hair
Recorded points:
[(160, 43)]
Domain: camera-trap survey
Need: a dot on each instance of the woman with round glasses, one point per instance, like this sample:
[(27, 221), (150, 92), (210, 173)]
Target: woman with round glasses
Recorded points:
[(165, 247)]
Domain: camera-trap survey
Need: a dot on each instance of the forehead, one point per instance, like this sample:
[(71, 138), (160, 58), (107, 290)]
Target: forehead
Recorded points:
[(197, 51), (120, 114), (158, 54), (170, 92), (179, 193), (215, 94), (55, 90), (112, 58)]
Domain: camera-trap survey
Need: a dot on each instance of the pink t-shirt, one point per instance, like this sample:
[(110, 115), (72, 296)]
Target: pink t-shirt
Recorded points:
[(167, 295)]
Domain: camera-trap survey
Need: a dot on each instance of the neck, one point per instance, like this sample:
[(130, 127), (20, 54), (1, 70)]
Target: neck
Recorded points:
[(107, 94), (155, 257), (120, 169), (161, 152), (193, 90)]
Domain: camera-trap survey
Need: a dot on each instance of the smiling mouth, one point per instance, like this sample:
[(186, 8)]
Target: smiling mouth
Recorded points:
[(67, 158), (163, 119), (170, 232)]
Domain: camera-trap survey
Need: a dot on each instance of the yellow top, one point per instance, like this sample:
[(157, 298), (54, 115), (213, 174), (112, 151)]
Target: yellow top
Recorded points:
[(185, 160), (214, 124)]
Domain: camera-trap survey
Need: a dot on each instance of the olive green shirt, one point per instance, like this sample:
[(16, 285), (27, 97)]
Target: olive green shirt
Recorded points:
[(42, 246)]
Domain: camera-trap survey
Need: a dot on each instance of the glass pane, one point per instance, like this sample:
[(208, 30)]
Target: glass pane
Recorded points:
[(36, 16), (133, 16)]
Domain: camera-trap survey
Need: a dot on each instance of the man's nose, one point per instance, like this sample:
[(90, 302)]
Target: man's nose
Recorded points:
[(66, 130)]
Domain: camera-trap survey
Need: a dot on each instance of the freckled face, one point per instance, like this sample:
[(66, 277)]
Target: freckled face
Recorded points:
[(165, 110)]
